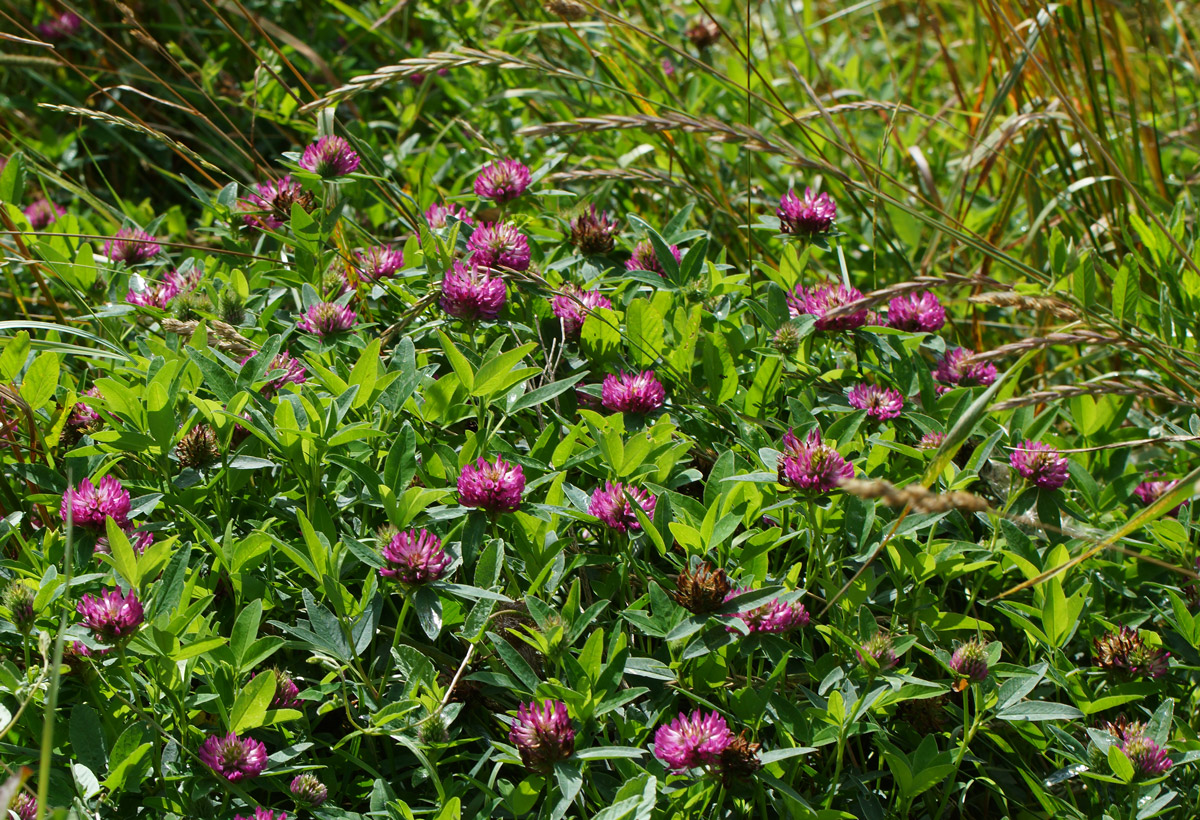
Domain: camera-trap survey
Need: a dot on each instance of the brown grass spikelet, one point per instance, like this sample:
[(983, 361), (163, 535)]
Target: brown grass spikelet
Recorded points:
[(919, 498), (1056, 307), (223, 337)]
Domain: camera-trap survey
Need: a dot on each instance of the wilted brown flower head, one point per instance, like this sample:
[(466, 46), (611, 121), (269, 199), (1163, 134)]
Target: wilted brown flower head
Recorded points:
[(704, 34), (702, 589), (739, 760), (198, 447), (1126, 654)]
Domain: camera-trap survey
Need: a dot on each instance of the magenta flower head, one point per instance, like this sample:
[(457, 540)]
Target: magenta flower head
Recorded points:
[(139, 540), (380, 262), (25, 805), (823, 300), (158, 294), (270, 204), (286, 691), (470, 292), (931, 441), (811, 216), (773, 616), (131, 246), (89, 505), (493, 487), (284, 370), (437, 214), (82, 415), (632, 392), (954, 371), (326, 319), (644, 258), (232, 757), (610, 505), (330, 157), (503, 180), (414, 557), (1044, 466), (543, 735), (112, 617), (308, 791), (695, 740), (41, 212), (592, 232), (572, 306), (60, 27), (970, 661), (916, 312), (880, 402), (1148, 758), (811, 465), (499, 245), (1150, 490), (261, 814), (878, 648)]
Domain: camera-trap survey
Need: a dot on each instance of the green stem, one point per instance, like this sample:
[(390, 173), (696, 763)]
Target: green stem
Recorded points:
[(387, 662), (970, 727), (51, 710)]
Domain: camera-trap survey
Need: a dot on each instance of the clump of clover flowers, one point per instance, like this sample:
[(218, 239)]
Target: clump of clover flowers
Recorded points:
[(702, 740)]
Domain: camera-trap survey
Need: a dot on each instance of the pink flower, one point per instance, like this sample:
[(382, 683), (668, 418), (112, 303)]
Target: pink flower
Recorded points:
[(82, 415), (1150, 491), (632, 392), (90, 505), (232, 757), (270, 204), (499, 245), (326, 319), (503, 180), (131, 246), (112, 617), (880, 402), (822, 301), (542, 734), (42, 212), (414, 557), (916, 312), (1148, 758), (437, 215), (931, 441), (285, 369), (1041, 464), (644, 258), (569, 310), (970, 661), (286, 691), (774, 616), (695, 740), (160, 294), (811, 465), (25, 805), (610, 505), (470, 292), (61, 27), (380, 262), (261, 814), (494, 487), (952, 370), (330, 157), (593, 232), (880, 649), (811, 216), (308, 791)]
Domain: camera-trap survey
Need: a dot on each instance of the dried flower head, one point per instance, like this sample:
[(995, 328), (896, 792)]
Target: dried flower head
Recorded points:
[(471, 292), (807, 217), (112, 617), (414, 557), (499, 245), (1041, 464), (919, 312), (269, 206), (952, 371), (704, 34), (437, 213), (739, 760), (503, 180), (543, 735), (308, 791), (18, 600), (775, 616), (694, 740), (632, 392), (878, 648), (89, 505), (1125, 653), (880, 402), (970, 661), (494, 487), (593, 232), (610, 504), (380, 262), (327, 319), (330, 157), (42, 212), (811, 465), (233, 757), (701, 589), (572, 305), (131, 246), (822, 301), (198, 447), (645, 258)]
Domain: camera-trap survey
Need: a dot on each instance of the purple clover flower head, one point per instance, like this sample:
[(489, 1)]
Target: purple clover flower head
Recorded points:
[(326, 319), (808, 217), (668, 67), (1041, 464), (499, 245), (919, 312), (880, 402), (90, 505), (823, 300), (878, 648), (568, 309), (41, 212), (953, 371), (503, 181), (811, 465), (470, 292), (81, 649), (60, 27), (610, 505), (112, 617), (1151, 490), (261, 814), (380, 262), (286, 370), (592, 232), (543, 735), (970, 661), (330, 157), (414, 557), (644, 258), (632, 392), (437, 213), (694, 740), (139, 540), (774, 616), (286, 691), (308, 791), (493, 487), (82, 414), (233, 757), (931, 441), (131, 246), (160, 294), (1148, 758), (271, 203), (25, 805), (1126, 654)]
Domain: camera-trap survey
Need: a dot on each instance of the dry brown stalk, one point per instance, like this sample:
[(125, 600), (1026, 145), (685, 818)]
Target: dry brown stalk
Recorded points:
[(223, 337), (916, 496), (1019, 300), (133, 126), (1100, 388), (1078, 337)]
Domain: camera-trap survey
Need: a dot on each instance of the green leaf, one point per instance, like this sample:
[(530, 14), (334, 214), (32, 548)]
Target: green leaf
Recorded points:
[(245, 629), (122, 553), (16, 351), (1119, 763), (1083, 283), (462, 368), (12, 179), (538, 395), (601, 335), (251, 705), (1034, 710), (644, 328), (1126, 289), (41, 380), (495, 372), (87, 738)]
